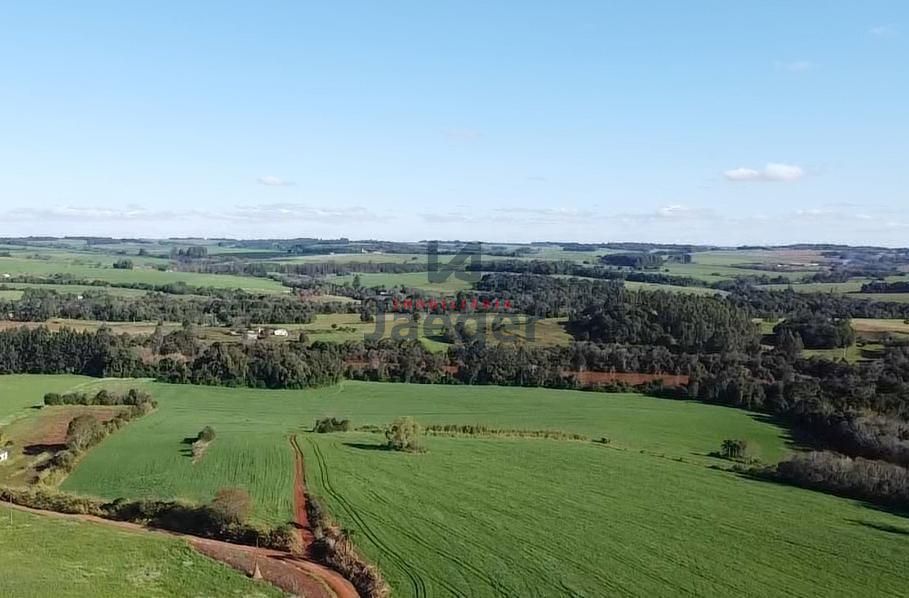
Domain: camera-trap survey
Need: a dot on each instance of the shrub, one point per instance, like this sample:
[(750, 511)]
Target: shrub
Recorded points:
[(734, 449), (404, 435), (231, 505), (207, 434), (53, 398), (83, 431), (330, 424)]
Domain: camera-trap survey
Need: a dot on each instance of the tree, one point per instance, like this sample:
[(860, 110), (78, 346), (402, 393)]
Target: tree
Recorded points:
[(734, 449), (404, 435), (123, 264), (231, 505)]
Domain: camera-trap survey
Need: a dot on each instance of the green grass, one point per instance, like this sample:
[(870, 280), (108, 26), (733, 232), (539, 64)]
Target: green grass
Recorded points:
[(45, 556), (644, 515), (92, 271), (252, 450), (19, 393), (10, 295), (544, 518)]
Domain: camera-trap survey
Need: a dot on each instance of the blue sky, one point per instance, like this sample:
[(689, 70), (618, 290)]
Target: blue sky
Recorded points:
[(708, 122)]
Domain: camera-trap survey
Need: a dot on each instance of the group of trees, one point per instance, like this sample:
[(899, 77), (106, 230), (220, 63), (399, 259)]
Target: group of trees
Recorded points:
[(638, 261), (680, 322), (39, 305), (814, 331)]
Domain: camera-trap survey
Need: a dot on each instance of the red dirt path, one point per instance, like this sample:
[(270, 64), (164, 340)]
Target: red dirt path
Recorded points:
[(301, 517)]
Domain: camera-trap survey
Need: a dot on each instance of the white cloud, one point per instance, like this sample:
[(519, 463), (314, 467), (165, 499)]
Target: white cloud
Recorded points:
[(273, 181), (883, 31), (772, 172)]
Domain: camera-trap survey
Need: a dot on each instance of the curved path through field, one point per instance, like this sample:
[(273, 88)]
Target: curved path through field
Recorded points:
[(284, 570)]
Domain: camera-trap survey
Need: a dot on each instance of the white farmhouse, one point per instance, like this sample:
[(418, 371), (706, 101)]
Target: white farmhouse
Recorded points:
[(280, 332)]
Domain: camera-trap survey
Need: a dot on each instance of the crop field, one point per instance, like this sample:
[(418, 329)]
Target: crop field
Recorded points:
[(521, 517), (494, 516), (91, 271), (149, 458), (49, 556)]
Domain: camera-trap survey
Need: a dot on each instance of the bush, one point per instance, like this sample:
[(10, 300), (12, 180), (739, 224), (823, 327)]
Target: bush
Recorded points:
[(83, 431), (231, 506), (404, 435), (207, 434), (734, 449), (875, 481), (330, 424)]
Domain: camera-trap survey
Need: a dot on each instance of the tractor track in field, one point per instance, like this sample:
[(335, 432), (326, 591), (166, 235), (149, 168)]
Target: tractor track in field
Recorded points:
[(417, 584)]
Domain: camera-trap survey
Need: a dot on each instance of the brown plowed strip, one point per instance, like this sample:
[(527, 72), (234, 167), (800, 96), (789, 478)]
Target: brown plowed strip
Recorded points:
[(282, 569), (301, 517)]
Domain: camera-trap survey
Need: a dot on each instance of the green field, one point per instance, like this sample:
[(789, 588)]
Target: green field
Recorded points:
[(92, 271), (644, 515), (545, 518), (47, 556), (252, 449), (340, 328)]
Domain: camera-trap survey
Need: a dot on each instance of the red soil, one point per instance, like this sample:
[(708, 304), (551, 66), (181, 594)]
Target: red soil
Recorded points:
[(301, 518), (50, 427), (596, 378)]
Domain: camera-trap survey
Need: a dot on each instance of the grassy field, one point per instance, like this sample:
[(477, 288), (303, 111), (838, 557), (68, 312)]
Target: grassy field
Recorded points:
[(643, 515), (45, 556), (348, 327), (252, 449), (568, 518), (92, 271)]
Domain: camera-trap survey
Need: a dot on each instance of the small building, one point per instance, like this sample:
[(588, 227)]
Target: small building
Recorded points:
[(4, 455), (251, 335), (280, 332)]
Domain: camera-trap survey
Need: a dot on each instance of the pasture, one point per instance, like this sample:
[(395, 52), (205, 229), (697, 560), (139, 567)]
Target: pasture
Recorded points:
[(644, 515), (521, 517), (88, 270), (149, 458), (49, 556)]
